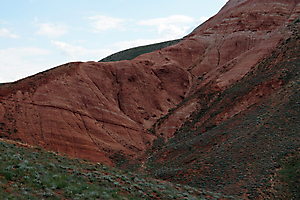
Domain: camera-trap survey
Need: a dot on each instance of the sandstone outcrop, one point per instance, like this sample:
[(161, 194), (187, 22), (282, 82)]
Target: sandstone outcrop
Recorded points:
[(91, 110), (94, 110)]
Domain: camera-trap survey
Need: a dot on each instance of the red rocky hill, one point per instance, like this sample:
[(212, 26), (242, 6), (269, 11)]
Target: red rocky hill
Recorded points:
[(244, 140), (94, 110)]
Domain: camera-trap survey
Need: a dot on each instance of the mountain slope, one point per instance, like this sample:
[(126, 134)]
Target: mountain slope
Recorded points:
[(34, 173), (98, 110), (132, 53), (244, 154), (240, 36)]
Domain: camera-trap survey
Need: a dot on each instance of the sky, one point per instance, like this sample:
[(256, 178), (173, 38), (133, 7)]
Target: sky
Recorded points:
[(36, 35)]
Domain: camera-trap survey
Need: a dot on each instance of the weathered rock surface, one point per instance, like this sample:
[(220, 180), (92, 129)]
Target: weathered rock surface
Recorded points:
[(229, 44), (94, 110), (91, 110), (236, 140)]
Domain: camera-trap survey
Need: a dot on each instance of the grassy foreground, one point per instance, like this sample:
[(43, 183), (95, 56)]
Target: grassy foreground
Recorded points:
[(35, 173)]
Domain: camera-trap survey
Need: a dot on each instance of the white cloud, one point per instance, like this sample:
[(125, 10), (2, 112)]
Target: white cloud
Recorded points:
[(168, 28), (68, 50), (171, 27), (203, 19), (50, 30), (103, 23), (6, 33), (77, 52), (17, 63), (2, 80)]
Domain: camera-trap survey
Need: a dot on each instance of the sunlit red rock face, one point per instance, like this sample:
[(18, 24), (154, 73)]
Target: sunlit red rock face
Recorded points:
[(91, 110), (94, 110)]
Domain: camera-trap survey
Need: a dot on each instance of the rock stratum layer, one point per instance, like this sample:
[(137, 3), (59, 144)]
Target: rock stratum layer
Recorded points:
[(94, 110)]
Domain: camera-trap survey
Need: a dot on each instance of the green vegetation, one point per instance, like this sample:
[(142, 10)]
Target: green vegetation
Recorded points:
[(158, 143), (35, 173), (289, 174), (132, 53)]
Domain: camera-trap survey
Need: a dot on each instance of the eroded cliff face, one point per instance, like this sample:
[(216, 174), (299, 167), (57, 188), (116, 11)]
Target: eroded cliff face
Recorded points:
[(93, 110), (231, 43)]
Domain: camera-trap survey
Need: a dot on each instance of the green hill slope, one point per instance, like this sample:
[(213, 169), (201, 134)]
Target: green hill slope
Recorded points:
[(132, 53), (35, 173)]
